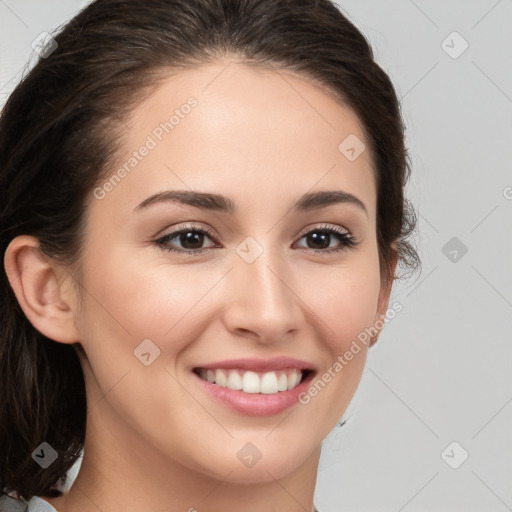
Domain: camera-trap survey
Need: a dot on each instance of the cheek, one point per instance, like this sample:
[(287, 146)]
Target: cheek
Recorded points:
[(344, 298), (131, 299)]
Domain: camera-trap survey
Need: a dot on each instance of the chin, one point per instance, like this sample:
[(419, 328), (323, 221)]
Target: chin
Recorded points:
[(273, 465)]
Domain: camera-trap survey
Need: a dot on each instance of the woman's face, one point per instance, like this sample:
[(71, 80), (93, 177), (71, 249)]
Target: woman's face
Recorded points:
[(265, 282)]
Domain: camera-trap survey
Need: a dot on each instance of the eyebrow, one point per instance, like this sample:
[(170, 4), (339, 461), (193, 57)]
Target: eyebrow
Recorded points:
[(216, 202)]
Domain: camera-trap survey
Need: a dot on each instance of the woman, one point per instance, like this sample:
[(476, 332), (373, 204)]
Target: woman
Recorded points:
[(202, 212)]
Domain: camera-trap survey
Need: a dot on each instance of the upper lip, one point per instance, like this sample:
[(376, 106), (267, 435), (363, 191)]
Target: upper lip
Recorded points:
[(259, 365)]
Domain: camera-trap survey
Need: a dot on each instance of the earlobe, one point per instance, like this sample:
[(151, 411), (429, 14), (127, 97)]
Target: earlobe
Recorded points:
[(46, 302)]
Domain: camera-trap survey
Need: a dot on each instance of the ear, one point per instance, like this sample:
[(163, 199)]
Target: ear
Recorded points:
[(385, 292), (43, 289)]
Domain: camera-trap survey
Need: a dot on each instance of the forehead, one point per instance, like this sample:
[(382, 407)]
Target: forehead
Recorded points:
[(251, 132)]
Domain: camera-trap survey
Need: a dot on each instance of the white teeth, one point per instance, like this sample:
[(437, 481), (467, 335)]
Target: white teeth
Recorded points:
[(220, 378), (268, 384), (251, 382), (293, 380), (282, 382), (235, 381)]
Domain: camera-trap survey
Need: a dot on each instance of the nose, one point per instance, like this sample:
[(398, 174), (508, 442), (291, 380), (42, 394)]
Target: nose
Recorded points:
[(261, 302)]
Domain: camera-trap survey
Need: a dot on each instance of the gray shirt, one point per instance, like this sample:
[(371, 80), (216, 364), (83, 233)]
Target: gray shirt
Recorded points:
[(35, 504)]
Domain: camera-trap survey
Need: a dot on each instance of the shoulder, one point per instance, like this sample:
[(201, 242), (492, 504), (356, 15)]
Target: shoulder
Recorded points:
[(35, 504)]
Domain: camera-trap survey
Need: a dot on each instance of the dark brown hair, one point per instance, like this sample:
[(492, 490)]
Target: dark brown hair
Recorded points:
[(63, 125)]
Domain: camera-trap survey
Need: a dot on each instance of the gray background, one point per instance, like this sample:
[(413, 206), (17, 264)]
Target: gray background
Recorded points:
[(441, 371)]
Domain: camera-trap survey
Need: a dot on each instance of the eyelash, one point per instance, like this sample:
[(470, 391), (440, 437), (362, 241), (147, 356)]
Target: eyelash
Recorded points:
[(348, 241)]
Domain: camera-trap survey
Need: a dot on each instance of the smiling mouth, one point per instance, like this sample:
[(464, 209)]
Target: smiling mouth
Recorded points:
[(267, 383)]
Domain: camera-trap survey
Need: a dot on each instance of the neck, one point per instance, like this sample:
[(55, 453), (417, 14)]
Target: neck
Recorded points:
[(123, 472)]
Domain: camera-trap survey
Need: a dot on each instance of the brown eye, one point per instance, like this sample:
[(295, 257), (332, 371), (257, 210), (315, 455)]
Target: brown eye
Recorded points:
[(319, 239), (190, 238)]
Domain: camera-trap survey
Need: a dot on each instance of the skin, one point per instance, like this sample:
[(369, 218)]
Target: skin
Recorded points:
[(154, 438)]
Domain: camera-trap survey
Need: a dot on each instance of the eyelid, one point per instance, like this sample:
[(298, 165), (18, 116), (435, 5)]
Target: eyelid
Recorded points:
[(213, 235), (187, 227), (323, 226)]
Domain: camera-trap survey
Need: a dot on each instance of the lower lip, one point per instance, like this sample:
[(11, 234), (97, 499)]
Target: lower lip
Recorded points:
[(255, 404)]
